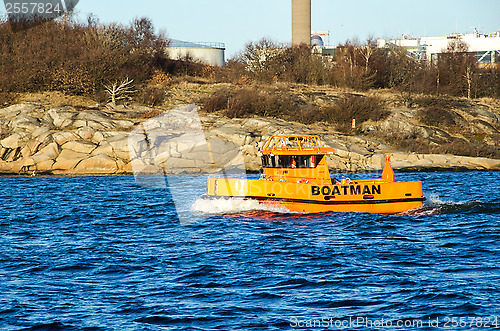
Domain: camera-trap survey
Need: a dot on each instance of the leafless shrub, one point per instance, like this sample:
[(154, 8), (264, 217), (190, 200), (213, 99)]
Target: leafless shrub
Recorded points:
[(457, 69), (437, 116), (435, 101), (361, 108), (217, 101), (468, 148), (120, 91), (160, 78), (152, 96), (352, 68), (455, 146), (269, 62), (248, 101)]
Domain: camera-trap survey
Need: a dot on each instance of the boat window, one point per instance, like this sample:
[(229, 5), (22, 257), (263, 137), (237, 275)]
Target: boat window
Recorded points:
[(268, 161), (291, 161), (264, 159), (283, 161)]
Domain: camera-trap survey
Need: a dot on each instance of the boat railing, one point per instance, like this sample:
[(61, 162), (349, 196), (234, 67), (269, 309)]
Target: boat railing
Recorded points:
[(294, 143)]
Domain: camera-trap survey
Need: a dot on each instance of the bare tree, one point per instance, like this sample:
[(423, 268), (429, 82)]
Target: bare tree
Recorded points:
[(468, 76), (367, 52), (402, 73), (457, 68), (120, 91)]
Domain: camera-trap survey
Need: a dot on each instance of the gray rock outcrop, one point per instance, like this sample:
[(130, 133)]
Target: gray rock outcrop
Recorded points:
[(62, 141), (69, 141)]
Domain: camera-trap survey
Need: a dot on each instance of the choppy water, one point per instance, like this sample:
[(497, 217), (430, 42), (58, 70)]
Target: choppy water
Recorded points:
[(101, 253)]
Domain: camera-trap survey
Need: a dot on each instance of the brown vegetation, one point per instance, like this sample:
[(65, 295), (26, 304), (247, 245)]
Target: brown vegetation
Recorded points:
[(361, 67), (436, 116), (81, 59), (280, 103), (248, 101), (457, 146), (358, 107)]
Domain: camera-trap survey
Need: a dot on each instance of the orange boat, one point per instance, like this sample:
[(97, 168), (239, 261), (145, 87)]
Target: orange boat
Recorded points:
[(295, 176)]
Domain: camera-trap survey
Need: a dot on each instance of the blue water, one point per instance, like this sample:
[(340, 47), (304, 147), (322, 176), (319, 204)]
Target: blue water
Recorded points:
[(101, 253)]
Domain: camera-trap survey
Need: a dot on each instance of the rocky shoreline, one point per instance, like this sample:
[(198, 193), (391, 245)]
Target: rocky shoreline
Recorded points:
[(39, 139)]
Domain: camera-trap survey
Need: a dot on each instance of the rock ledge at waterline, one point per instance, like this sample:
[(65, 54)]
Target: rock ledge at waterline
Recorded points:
[(70, 141)]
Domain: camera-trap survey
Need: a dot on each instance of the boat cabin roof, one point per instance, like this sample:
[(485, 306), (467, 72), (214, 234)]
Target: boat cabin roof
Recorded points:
[(295, 145)]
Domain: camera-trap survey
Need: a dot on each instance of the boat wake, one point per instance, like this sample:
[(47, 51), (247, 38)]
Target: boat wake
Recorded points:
[(232, 206), (434, 205)]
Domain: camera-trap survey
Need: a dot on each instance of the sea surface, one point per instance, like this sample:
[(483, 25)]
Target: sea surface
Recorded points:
[(103, 253)]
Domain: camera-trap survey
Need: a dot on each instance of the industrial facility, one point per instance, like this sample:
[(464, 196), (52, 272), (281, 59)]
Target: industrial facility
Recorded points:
[(486, 47), (208, 53), (214, 53), (301, 29)]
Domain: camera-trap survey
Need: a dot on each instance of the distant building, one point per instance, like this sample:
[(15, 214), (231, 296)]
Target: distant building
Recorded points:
[(208, 53), (485, 47), (319, 46)]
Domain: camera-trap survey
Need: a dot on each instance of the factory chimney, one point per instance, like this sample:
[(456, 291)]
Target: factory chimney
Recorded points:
[(301, 22)]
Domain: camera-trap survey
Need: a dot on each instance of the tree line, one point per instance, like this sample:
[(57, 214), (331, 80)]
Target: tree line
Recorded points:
[(80, 58), (454, 72), (84, 57)]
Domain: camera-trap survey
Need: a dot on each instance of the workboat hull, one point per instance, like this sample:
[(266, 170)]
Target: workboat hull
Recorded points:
[(296, 177), (366, 196)]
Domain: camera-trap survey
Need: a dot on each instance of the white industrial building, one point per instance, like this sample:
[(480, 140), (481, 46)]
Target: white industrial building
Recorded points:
[(486, 47), (208, 53)]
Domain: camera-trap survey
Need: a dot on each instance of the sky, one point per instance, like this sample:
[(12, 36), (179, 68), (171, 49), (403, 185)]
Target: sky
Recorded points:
[(238, 22)]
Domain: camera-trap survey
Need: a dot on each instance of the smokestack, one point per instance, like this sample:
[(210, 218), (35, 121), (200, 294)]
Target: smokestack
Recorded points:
[(301, 22)]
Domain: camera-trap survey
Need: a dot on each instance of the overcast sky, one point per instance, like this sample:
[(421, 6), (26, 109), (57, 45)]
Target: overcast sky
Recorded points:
[(237, 22)]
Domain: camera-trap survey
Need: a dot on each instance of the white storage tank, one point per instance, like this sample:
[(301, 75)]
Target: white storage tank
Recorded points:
[(208, 53)]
